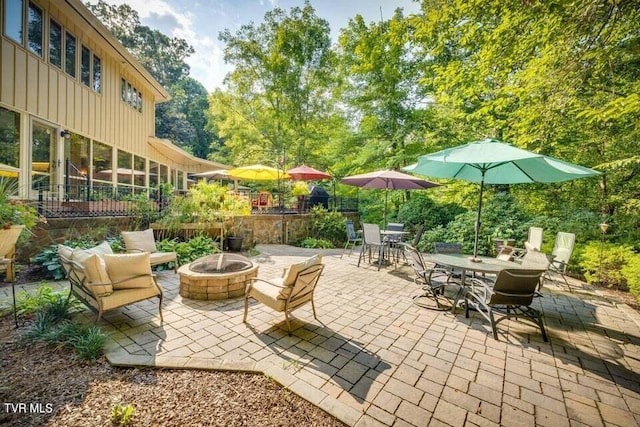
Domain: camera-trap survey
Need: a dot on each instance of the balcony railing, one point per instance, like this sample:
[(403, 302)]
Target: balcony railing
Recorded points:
[(71, 200)]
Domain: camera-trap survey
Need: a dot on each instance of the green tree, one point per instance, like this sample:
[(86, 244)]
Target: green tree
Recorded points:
[(279, 94)]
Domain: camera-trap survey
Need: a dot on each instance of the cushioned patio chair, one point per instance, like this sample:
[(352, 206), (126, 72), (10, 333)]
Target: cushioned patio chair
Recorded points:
[(371, 240), (143, 241), (425, 277), (561, 254), (352, 238), (8, 239), (289, 292), (533, 243), (509, 297), (105, 281)]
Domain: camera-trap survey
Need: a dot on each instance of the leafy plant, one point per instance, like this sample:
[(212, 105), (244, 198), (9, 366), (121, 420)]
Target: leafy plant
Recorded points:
[(311, 242), (122, 414), (89, 343), (327, 225), (190, 250), (604, 264), (12, 210), (143, 211), (45, 297)]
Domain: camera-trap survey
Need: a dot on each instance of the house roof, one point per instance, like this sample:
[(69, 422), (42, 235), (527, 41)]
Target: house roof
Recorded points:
[(189, 163), (161, 94)]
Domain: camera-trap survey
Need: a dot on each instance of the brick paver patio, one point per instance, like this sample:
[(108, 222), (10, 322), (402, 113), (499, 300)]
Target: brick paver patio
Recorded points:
[(377, 359)]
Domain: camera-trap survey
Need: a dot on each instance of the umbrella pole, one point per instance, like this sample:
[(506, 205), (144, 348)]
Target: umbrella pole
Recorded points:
[(384, 224), (477, 227)]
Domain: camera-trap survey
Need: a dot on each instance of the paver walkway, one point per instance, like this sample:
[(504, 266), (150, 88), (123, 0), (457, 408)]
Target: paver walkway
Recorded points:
[(376, 359)]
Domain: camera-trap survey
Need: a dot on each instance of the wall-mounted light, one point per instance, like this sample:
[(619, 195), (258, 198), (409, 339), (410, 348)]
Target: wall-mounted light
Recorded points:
[(65, 134)]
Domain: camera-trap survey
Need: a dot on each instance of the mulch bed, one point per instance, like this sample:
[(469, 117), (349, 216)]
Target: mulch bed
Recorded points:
[(60, 390)]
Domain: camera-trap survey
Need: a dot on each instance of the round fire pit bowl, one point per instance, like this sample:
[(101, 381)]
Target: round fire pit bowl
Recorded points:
[(216, 277)]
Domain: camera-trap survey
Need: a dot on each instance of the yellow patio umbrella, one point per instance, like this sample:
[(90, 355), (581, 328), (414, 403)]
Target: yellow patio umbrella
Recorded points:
[(258, 173), (9, 171)]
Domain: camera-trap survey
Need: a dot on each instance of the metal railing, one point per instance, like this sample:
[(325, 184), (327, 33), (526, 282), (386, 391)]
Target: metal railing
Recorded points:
[(93, 199)]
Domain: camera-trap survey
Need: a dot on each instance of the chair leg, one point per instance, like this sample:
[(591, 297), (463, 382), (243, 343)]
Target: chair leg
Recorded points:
[(344, 249), (286, 318), (246, 308), (362, 254), (545, 338), (160, 309), (493, 324), (313, 307)]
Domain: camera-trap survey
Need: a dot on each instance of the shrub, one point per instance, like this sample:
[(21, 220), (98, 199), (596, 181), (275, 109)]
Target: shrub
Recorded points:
[(311, 242), (604, 264), (631, 272), (190, 250), (45, 299), (420, 209), (122, 414), (327, 225)]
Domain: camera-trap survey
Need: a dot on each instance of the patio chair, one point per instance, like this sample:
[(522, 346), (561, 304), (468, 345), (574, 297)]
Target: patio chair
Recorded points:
[(561, 254), (289, 292), (535, 260), (352, 238), (393, 242), (143, 241), (371, 240), (533, 243), (448, 248), (263, 201), (418, 236), (510, 297), (424, 276), (8, 239)]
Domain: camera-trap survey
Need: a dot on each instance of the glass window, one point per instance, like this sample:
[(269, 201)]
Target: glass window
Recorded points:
[(125, 170), (97, 74), (123, 90), (139, 101), (139, 170), (164, 174), (76, 152), (35, 25), (102, 155), (129, 94), (70, 54), (153, 174), (85, 66), (9, 143), (180, 180), (42, 157), (55, 43), (13, 19)]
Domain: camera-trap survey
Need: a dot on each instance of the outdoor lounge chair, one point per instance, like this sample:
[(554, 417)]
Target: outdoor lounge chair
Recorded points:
[(284, 294), (510, 297), (424, 276), (8, 239), (352, 238), (562, 250), (533, 243), (143, 241), (371, 240), (105, 281)]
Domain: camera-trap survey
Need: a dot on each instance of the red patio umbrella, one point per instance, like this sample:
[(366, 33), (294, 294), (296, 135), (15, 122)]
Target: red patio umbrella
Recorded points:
[(307, 173)]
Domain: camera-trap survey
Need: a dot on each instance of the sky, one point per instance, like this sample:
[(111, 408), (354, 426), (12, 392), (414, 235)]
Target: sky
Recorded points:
[(200, 21)]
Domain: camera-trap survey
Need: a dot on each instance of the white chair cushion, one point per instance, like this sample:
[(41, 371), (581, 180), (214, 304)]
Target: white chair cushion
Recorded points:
[(123, 268), (267, 294), (94, 268), (124, 297), (291, 273), (139, 240), (162, 257)]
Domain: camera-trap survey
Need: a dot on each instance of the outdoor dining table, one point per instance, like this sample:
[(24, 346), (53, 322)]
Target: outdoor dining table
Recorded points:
[(393, 235), (463, 263)]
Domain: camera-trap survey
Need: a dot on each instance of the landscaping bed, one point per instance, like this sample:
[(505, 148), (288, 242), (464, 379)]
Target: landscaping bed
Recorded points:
[(61, 390)]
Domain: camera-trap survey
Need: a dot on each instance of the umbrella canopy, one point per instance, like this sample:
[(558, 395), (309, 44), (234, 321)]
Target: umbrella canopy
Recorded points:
[(257, 172), (122, 171), (214, 174), (493, 162), (388, 180), (307, 173)]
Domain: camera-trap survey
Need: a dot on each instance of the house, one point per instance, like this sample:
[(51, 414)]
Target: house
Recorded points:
[(77, 110)]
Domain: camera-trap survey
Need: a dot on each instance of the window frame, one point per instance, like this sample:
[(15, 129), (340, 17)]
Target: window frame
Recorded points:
[(53, 23), (67, 35), (33, 6), (22, 22)]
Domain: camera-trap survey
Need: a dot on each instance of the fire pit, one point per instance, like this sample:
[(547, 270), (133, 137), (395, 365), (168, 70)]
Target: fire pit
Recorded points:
[(216, 277)]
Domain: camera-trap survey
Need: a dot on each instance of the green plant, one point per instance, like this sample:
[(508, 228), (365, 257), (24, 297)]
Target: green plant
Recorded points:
[(143, 211), (312, 242), (12, 210), (300, 188), (604, 264), (327, 225), (632, 272), (122, 414), (190, 250), (48, 257), (45, 296), (89, 343)]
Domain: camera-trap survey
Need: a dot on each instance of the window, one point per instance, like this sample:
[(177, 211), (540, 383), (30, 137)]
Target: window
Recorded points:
[(9, 142), (13, 19), (130, 95), (102, 155), (97, 74), (70, 54), (139, 172), (55, 43), (180, 180), (164, 174), (76, 152), (153, 174), (35, 25), (124, 167), (85, 66)]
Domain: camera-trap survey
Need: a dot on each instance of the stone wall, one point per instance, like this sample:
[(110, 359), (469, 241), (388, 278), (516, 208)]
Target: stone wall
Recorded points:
[(256, 229)]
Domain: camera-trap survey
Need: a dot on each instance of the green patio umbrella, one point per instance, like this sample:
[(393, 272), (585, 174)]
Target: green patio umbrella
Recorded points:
[(493, 162)]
